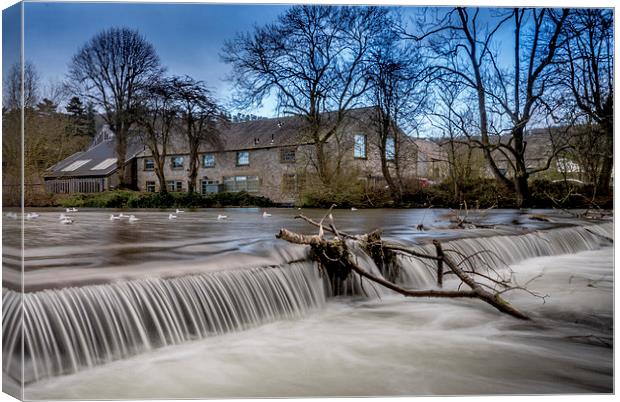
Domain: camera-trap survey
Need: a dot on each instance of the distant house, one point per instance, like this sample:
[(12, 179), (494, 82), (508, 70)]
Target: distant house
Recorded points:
[(93, 170), (268, 157)]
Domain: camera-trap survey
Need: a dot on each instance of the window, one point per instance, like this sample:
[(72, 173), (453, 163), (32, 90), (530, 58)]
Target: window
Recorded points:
[(243, 158), (75, 165), (149, 164), (359, 148), (390, 149), (287, 155), (208, 160), (208, 186), (150, 186), (241, 183), (174, 185), (105, 164), (176, 162)]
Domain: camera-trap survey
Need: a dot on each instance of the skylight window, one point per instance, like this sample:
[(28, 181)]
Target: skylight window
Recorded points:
[(105, 164), (76, 165)]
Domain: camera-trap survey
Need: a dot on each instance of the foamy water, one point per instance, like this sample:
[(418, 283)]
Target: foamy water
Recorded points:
[(393, 346)]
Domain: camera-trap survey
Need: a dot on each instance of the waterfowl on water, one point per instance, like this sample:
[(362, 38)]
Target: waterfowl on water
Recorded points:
[(132, 219), (179, 211), (266, 215), (171, 216), (32, 215), (66, 221), (72, 210), (220, 217), (114, 218)]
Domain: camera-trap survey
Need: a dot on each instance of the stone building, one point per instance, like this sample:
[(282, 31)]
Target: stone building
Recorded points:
[(274, 158)]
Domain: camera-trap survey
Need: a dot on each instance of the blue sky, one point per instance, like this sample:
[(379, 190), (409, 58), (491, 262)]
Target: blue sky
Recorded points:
[(187, 37)]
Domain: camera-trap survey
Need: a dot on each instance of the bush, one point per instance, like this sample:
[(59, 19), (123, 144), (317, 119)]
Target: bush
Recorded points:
[(134, 199)]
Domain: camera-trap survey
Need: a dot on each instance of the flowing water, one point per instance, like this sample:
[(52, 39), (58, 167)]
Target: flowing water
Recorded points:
[(201, 307)]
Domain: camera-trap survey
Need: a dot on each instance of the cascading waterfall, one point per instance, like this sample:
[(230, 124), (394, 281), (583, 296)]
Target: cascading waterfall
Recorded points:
[(71, 328), (500, 251), (67, 329)]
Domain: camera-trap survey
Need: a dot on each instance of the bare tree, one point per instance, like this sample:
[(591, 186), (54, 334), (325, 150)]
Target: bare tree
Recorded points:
[(156, 118), (507, 98), (110, 70), (587, 73), (398, 89), (200, 118), (13, 86), (313, 58)]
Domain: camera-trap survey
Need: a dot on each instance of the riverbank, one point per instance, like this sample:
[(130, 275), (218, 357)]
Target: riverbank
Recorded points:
[(481, 194), (136, 199)]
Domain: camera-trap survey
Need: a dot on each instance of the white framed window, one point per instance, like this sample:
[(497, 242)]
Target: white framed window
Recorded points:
[(359, 147), (243, 158), (176, 162), (149, 164), (241, 183), (390, 148), (174, 185), (208, 160), (150, 186)]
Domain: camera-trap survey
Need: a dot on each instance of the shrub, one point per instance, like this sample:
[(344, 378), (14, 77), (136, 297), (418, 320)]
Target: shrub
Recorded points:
[(134, 199)]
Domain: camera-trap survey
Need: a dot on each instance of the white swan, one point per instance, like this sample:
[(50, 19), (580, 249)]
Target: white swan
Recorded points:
[(121, 215), (72, 210), (114, 218), (171, 216), (132, 219), (266, 215), (32, 215), (220, 217), (353, 209), (179, 211), (11, 215), (67, 221), (63, 216)]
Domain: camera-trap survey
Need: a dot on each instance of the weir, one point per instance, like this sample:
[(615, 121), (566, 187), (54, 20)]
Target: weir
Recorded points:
[(66, 330)]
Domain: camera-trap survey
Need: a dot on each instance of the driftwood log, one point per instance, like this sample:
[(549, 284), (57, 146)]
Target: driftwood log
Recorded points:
[(334, 256)]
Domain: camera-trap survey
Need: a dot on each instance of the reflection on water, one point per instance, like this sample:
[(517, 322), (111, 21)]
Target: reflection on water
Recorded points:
[(157, 243)]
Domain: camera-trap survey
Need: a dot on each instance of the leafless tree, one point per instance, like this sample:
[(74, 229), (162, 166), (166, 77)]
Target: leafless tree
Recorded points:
[(110, 70), (398, 90), (508, 98), (313, 58), (586, 70), (157, 114), (13, 86), (200, 118)]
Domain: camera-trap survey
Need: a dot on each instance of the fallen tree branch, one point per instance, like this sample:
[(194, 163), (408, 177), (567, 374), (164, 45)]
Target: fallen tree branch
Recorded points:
[(335, 256)]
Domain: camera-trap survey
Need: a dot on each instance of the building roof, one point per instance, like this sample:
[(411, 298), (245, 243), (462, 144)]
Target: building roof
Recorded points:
[(98, 160), (267, 133)]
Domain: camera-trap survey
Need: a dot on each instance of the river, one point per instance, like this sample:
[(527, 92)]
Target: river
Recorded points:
[(253, 318)]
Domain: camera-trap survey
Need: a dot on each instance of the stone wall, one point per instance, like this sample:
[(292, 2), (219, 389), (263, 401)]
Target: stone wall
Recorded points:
[(279, 180)]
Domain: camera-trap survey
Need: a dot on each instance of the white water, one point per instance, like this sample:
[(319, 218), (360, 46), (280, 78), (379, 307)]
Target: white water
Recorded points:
[(392, 346), (131, 324)]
